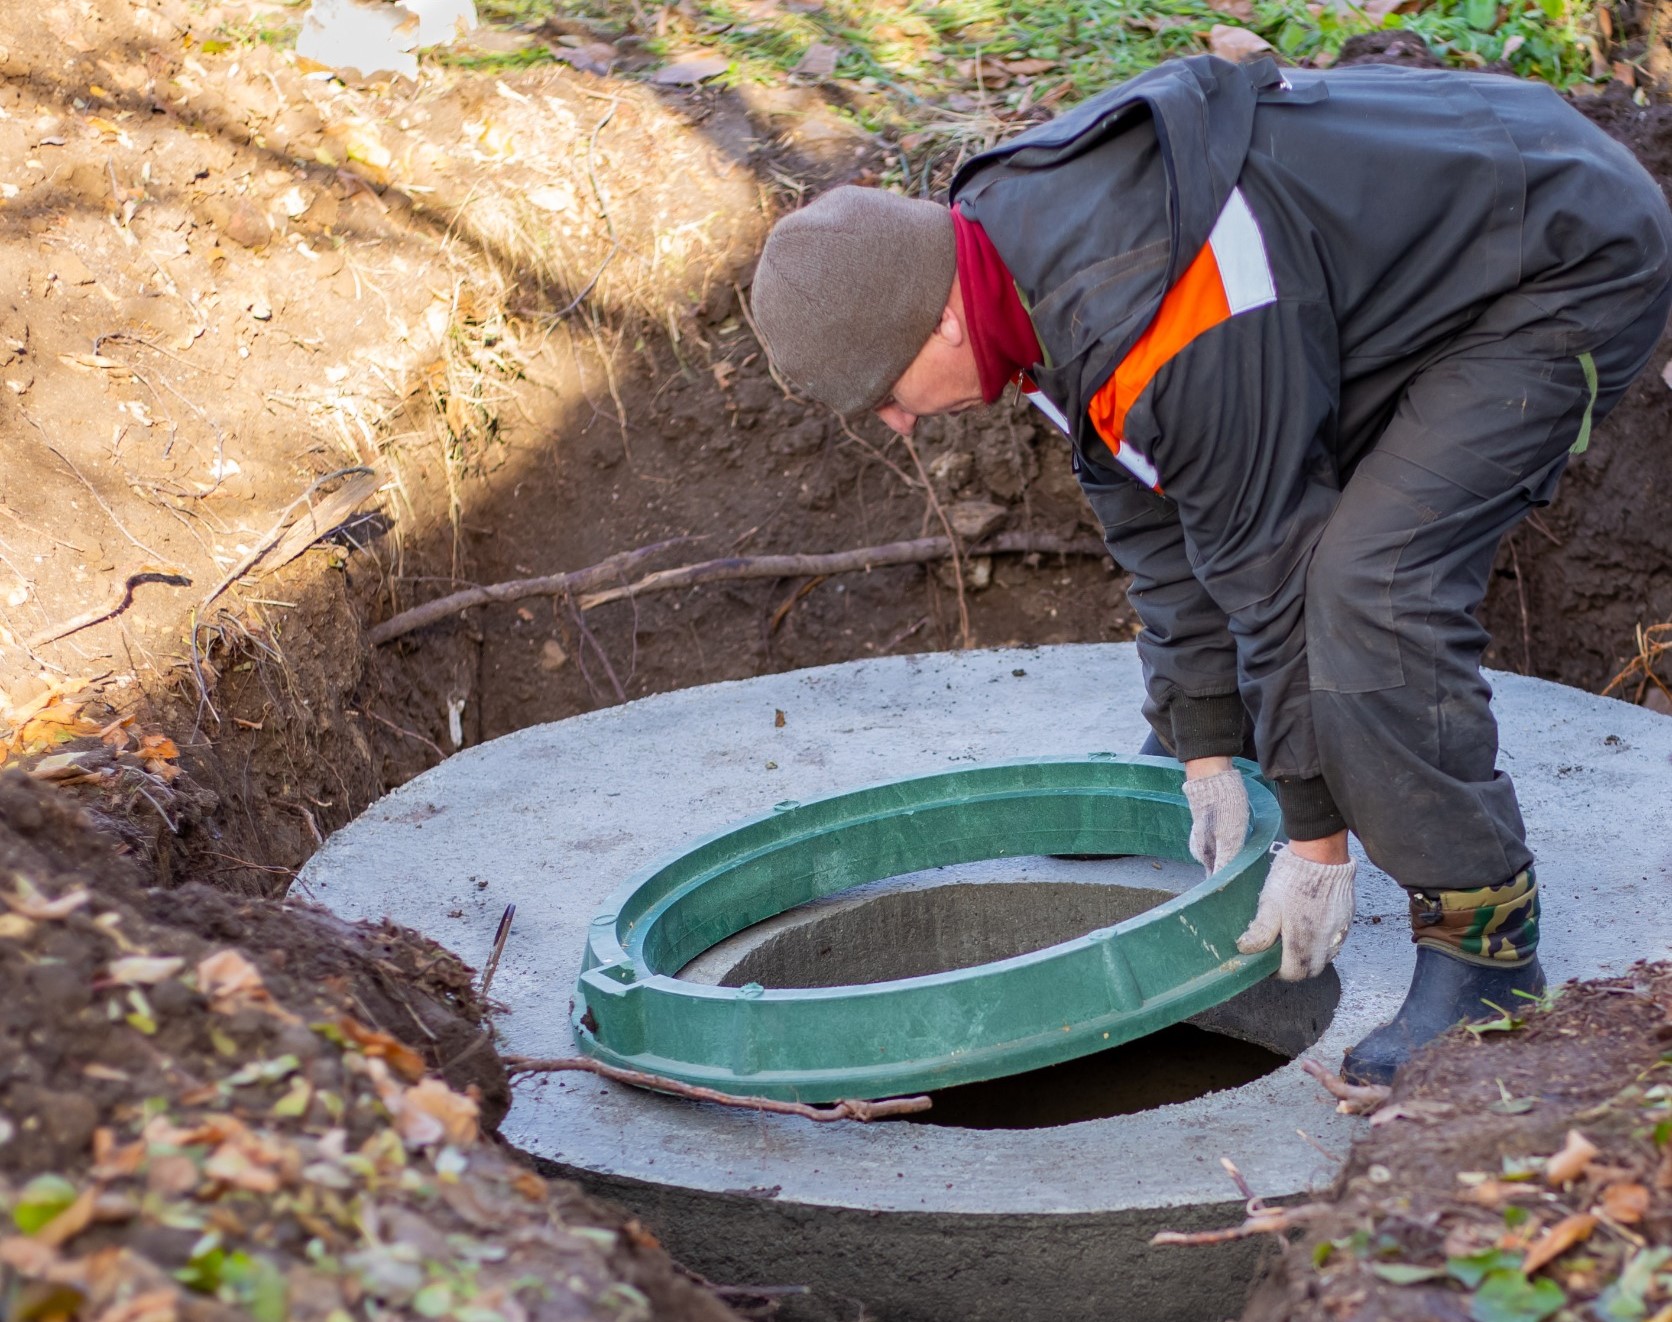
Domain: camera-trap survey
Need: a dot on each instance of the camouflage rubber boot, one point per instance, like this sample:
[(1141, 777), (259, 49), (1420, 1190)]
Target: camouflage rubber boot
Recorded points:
[(1476, 959)]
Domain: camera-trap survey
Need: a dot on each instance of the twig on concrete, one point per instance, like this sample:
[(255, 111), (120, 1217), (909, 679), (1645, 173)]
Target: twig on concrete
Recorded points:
[(548, 585), (119, 603), (500, 937), (917, 551), (852, 1109), (1319, 1146), (1258, 1219), (1355, 1098), (1272, 1221)]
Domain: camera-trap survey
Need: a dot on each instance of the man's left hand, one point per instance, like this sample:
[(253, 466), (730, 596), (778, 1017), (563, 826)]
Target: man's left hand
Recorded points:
[(1218, 817)]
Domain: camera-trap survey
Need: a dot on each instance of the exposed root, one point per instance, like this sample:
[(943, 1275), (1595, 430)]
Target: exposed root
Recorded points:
[(549, 585), (853, 1109), (1355, 1098), (920, 551), (1652, 644)]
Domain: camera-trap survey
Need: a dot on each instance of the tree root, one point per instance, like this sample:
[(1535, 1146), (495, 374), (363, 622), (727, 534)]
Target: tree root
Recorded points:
[(852, 1109)]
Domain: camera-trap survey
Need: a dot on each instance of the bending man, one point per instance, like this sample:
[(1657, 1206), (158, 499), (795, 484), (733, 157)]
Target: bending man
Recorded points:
[(1319, 340)]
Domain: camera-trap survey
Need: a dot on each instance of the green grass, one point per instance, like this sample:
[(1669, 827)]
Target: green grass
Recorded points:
[(926, 74), (913, 47)]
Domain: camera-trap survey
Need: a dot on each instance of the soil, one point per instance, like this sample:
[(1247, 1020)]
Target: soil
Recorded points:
[(1457, 1172), (231, 280), (214, 1107)]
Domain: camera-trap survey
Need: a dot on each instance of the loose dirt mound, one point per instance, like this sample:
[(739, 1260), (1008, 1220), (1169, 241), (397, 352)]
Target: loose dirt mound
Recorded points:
[(220, 1108), (1514, 1172)]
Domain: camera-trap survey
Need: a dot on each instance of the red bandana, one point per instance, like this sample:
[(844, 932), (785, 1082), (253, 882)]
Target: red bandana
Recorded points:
[(999, 329)]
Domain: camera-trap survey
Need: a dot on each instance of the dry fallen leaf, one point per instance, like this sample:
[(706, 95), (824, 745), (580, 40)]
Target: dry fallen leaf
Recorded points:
[(590, 57), (230, 981), (1418, 1109), (1241, 10), (1561, 1237), (158, 746), (71, 1221), (431, 1112), (1626, 1203), (690, 70), (143, 970), (1572, 1161), (31, 903), (1235, 44), (231, 1164), (818, 60), (381, 1046)]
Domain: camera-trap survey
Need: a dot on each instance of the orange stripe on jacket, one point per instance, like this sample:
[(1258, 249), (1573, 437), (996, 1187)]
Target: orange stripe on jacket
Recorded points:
[(1231, 275), (1195, 304)]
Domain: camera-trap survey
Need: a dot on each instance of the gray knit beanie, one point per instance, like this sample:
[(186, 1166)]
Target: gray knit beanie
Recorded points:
[(848, 290)]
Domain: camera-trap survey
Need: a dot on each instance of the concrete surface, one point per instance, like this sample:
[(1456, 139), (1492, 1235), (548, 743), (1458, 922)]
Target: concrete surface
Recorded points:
[(922, 1221)]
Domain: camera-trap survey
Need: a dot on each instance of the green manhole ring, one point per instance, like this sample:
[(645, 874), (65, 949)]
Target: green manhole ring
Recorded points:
[(884, 1039)]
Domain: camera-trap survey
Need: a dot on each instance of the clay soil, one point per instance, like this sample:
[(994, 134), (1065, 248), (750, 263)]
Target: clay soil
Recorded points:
[(282, 357)]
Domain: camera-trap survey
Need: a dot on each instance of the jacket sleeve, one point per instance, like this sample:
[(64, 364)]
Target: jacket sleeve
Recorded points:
[(1236, 425), (1189, 657)]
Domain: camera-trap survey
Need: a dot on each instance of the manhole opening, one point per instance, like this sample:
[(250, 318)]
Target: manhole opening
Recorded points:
[(905, 928)]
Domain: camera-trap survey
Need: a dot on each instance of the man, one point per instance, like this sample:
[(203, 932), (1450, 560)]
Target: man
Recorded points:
[(1319, 341)]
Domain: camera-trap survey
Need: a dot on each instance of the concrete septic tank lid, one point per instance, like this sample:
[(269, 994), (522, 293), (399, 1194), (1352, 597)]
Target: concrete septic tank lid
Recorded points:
[(1048, 1223), (907, 1035)]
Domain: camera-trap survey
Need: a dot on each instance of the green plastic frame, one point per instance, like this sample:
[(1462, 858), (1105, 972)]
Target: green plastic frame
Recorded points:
[(884, 1039)]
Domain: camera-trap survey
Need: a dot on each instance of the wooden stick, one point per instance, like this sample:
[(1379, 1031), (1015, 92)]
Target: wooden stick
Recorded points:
[(854, 1109), (919, 551)]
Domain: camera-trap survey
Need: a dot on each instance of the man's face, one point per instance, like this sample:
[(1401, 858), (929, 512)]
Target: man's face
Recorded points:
[(943, 378)]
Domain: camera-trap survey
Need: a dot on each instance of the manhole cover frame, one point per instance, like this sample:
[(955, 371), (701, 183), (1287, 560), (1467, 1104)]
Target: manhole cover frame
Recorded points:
[(917, 1034)]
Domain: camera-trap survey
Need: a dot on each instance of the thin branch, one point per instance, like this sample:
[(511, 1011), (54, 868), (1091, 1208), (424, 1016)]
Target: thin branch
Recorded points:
[(549, 585), (918, 551), (862, 1111)]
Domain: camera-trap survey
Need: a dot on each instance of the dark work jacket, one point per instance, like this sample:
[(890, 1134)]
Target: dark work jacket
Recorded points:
[(1405, 214)]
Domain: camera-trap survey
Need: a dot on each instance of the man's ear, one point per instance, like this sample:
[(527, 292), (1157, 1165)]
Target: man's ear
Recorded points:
[(950, 328)]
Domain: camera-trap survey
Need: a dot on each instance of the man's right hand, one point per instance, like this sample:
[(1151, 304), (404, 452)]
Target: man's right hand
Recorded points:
[(1218, 812)]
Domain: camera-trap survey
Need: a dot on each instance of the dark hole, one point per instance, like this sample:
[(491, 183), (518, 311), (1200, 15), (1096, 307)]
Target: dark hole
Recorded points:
[(1173, 1065)]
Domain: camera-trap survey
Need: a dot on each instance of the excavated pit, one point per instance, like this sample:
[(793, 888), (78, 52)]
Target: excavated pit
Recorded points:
[(936, 1222)]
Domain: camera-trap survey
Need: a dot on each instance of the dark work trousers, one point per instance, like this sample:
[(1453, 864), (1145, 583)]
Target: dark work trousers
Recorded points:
[(1406, 737)]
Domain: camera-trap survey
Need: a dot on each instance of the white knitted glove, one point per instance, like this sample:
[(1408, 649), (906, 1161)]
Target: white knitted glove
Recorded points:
[(1218, 818), (1309, 905)]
